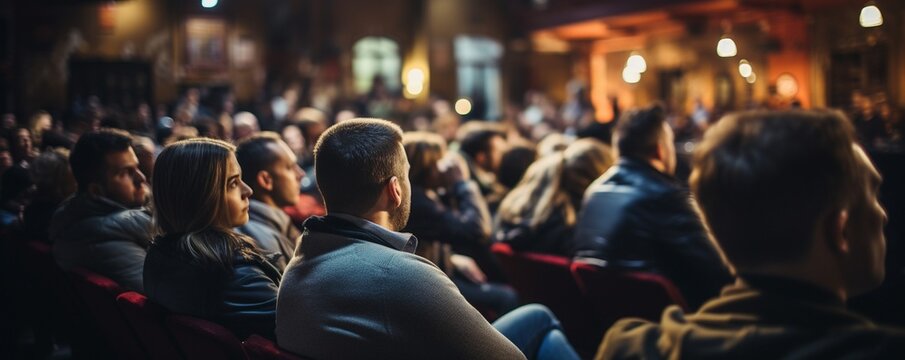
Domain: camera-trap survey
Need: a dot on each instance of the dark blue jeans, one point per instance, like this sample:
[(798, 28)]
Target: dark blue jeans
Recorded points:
[(536, 331)]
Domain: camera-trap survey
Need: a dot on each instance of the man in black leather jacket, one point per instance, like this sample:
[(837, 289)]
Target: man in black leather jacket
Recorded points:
[(637, 216)]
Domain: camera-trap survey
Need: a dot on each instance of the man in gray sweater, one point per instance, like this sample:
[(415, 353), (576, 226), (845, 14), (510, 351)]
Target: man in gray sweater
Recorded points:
[(269, 168), (355, 290)]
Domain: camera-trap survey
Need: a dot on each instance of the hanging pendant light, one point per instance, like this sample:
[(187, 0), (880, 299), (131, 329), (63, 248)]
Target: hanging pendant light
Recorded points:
[(726, 47), (636, 63), (870, 16), (630, 76), (744, 68)]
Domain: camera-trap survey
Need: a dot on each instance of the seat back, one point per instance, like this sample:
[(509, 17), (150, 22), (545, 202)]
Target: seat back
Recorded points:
[(57, 306), (547, 279), (615, 293), (147, 320), (98, 294), (200, 339), (259, 348)]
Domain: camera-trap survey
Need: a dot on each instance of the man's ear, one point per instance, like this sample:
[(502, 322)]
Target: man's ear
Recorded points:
[(394, 192), (837, 232), (264, 180), (661, 152)]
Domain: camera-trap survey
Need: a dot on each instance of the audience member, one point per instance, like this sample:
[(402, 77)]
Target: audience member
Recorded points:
[(246, 124), (459, 217), (53, 184), (792, 202), (515, 162), (15, 186), (269, 167), (102, 227), (146, 151), (539, 214), (197, 264), (355, 289), (483, 145), (21, 147), (39, 123), (553, 143), (6, 157), (637, 216)]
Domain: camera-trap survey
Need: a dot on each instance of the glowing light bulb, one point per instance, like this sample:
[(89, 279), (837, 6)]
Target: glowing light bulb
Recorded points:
[(744, 68), (414, 82), (726, 48), (751, 78), (870, 16), (630, 76), (463, 106), (207, 4), (636, 63)]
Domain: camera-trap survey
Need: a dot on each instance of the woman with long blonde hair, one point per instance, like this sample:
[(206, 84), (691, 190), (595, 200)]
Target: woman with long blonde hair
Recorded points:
[(539, 214), (197, 264)]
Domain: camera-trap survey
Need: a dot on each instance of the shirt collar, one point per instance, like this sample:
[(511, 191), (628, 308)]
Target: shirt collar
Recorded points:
[(263, 212), (398, 240)]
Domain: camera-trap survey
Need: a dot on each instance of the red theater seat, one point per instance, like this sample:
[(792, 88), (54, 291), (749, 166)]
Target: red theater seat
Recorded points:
[(615, 294), (259, 348), (147, 320), (547, 279), (98, 294), (201, 339), (56, 304)]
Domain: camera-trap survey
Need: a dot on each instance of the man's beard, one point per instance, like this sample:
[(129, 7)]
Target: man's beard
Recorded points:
[(399, 217)]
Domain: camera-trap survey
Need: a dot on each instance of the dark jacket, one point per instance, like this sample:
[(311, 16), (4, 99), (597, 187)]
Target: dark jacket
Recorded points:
[(243, 301), (761, 318), (553, 236), (439, 227), (103, 236), (638, 218), (272, 231), (354, 290)]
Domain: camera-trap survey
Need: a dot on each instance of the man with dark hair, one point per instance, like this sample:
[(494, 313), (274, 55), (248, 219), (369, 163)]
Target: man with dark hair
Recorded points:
[(101, 228), (637, 217), (482, 145), (355, 289), (269, 167), (792, 202)]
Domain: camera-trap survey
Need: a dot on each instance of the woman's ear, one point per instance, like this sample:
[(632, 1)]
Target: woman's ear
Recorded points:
[(264, 180)]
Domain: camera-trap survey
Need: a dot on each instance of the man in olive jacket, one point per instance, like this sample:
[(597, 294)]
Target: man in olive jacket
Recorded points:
[(792, 202)]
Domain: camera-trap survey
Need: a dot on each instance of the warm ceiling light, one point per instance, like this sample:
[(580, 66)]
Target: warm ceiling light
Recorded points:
[(870, 16), (414, 82), (463, 106), (636, 63), (744, 68), (751, 78), (630, 76), (726, 47)]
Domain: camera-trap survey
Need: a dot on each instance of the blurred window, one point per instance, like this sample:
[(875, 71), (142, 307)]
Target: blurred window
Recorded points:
[(478, 73), (375, 56)]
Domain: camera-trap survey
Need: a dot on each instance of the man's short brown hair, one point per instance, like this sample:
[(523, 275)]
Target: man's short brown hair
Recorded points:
[(353, 161), (765, 179)]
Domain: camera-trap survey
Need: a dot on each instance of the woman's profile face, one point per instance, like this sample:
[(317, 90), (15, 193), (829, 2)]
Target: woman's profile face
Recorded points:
[(237, 193)]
